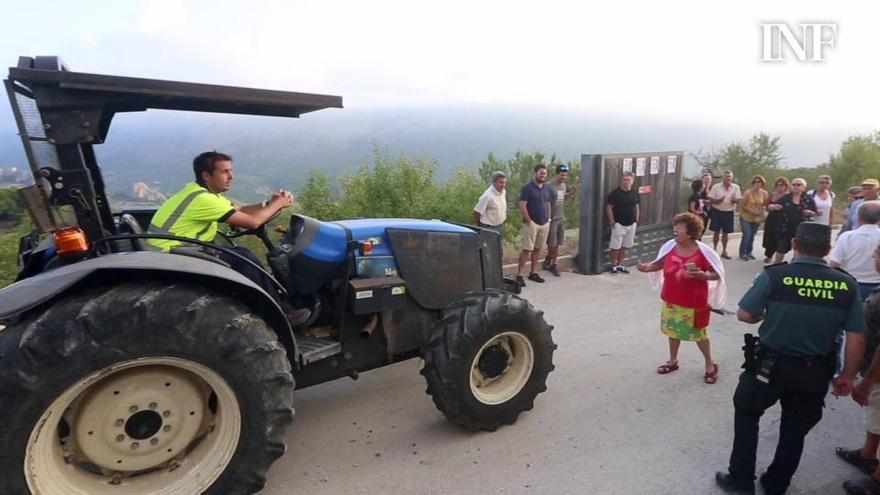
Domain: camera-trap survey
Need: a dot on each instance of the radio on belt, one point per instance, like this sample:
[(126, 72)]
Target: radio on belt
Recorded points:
[(372, 295)]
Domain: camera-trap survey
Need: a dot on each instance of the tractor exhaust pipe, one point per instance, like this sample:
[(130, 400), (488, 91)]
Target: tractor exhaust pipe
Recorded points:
[(371, 325)]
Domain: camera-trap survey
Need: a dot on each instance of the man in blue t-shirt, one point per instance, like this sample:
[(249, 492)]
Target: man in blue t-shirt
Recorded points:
[(534, 205)]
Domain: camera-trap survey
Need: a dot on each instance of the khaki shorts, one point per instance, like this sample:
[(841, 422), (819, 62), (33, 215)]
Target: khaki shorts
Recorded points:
[(534, 236), (872, 412), (622, 237)]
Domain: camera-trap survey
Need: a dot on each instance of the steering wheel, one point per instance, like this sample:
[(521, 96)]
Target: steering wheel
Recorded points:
[(236, 232), (128, 222)]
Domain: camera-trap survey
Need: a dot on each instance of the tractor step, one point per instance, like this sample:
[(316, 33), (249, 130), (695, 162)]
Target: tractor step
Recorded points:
[(312, 349)]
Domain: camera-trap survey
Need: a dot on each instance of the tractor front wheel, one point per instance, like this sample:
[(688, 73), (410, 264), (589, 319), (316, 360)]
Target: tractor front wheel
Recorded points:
[(141, 388), (487, 359)]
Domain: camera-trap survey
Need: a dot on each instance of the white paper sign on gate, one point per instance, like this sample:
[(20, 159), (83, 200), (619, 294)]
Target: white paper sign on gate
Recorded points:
[(640, 166), (655, 165), (670, 164), (627, 164)]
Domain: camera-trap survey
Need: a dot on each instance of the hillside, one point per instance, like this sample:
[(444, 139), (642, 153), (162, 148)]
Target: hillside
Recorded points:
[(155, 148)]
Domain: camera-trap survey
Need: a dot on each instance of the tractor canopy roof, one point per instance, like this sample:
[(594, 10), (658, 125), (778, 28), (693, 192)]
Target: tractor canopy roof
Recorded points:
[(77, 107)]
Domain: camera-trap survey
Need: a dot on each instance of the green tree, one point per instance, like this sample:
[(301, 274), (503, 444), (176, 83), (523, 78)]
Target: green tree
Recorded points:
[(858, 158), (318, 198), (10, 207), (405, 187), (760, 156), (9, 250)]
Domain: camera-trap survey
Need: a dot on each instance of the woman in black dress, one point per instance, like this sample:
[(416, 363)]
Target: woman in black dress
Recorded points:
[(698, 204), (773, 223), (796, 207)]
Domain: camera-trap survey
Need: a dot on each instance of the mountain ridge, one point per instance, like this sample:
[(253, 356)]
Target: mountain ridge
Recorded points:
[(156, 147)]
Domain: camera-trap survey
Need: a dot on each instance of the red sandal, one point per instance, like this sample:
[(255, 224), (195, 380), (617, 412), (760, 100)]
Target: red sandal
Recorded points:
[(667, 367), (712, 376)]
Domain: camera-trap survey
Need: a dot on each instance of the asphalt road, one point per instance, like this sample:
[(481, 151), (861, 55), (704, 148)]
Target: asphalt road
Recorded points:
[(608, 423)]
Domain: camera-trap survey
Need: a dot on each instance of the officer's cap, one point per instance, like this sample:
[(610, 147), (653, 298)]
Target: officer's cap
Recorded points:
[(814, 233)]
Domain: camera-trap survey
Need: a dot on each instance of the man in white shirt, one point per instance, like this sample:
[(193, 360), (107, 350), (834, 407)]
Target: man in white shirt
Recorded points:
[(491, 209), (723, 197), (854, 250)]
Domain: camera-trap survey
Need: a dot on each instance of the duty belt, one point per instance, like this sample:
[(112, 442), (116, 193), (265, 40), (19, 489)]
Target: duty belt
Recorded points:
[(806, 362)]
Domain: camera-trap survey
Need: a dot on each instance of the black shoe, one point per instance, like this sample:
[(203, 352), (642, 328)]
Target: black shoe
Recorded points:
[(743, 257), (854, 457), (555, 270), (865, 486), (520, 281), (546, 265), (622, 269), (536, 278), (297, 316), (750, 256), (769, 490), (735, 485)]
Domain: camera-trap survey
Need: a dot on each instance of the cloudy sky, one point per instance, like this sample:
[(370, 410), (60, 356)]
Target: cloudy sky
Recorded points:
[(695, 62)]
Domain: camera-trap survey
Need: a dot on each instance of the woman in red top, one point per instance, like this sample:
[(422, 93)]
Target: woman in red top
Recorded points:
[(685, 295)]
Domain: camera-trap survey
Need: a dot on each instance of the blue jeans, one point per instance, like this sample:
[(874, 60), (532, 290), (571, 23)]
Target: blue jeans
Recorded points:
[(748, 239)]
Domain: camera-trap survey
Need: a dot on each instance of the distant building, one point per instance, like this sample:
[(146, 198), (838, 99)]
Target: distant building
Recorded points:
[(142, 191)]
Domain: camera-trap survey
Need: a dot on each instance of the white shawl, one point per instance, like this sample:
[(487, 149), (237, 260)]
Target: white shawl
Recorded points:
[(717, 288)]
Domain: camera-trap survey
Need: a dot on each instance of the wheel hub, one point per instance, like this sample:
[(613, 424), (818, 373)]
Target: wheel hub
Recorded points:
[(502, 367), (138, 419), (144, 424), (494, 361)]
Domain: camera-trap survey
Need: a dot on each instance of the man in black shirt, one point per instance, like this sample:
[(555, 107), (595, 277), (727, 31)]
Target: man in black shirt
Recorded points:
[(623, 215)]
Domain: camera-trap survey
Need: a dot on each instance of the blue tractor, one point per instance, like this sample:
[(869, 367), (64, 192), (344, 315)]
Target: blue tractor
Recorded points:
[(128, 370)]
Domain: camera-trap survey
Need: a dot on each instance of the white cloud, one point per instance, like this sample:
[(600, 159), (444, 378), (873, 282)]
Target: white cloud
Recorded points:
[(162, 15), (692, 61)]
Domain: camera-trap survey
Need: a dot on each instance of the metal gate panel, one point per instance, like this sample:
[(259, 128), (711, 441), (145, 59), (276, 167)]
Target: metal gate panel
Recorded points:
[(660, 195)]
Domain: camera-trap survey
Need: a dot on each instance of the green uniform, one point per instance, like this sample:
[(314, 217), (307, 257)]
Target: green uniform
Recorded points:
[(193, 212), (807, 304)]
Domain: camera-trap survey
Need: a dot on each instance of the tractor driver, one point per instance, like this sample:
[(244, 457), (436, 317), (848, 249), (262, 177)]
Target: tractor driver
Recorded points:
[(195, 211)]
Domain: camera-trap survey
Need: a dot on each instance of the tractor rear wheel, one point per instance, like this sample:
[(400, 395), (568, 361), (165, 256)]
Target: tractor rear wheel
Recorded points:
[(487, 359), (141, 388)]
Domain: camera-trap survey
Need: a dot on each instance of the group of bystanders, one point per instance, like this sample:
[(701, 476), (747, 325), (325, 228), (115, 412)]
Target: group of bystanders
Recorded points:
[(804, 309), (542, 207)]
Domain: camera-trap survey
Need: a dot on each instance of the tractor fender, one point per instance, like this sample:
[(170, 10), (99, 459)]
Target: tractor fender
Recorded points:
[(40, 289)]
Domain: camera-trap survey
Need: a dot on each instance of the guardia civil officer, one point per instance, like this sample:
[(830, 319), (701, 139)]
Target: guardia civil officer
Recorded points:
[(802, 306)]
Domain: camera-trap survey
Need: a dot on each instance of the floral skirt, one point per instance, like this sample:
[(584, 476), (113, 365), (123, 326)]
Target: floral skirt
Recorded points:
[(679, 322)]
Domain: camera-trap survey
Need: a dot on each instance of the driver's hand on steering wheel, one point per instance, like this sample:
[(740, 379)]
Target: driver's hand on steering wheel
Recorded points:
[(282, 198), (280, 192)]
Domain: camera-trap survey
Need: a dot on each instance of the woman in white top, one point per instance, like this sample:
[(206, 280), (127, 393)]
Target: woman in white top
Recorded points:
[(824, 199)]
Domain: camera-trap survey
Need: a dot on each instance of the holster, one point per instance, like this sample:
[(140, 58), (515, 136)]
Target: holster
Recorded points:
[(750, 349)]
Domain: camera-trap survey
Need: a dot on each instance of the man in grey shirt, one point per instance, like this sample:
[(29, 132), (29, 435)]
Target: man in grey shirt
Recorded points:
[(560, 195)]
